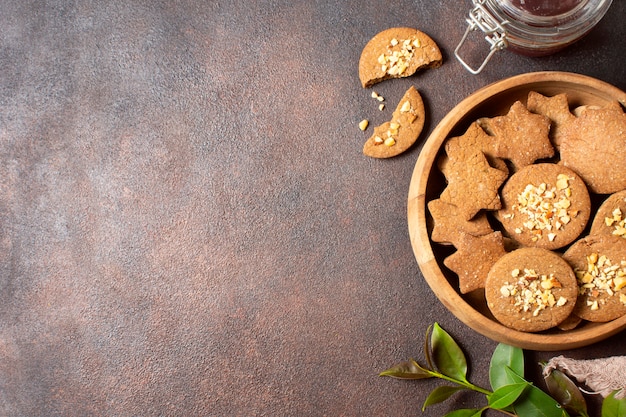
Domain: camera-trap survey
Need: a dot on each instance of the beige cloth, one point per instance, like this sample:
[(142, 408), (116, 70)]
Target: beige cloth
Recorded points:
[(603, 376)]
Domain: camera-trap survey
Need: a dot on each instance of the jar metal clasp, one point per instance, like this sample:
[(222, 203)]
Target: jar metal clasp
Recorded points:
[(495, 34)]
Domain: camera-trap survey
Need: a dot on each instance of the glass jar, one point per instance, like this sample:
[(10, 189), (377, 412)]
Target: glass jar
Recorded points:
[(531, 27)]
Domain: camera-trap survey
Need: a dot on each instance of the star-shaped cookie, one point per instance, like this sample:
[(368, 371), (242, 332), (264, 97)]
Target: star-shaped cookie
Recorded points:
[(473, 259), (472, 183), (449, 223)]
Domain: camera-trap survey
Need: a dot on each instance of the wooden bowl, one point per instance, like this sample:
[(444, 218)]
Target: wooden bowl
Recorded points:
[(427, 183)]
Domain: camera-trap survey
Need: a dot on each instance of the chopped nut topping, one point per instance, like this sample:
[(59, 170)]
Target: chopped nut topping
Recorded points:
[(562, 182), (394, 128), (390, 141), (378, 140), (546, 207), (618, 222), (398, 56), (377, 96), (363, 124), (381, 107), (601, 276), (406, 107), (532, 291)]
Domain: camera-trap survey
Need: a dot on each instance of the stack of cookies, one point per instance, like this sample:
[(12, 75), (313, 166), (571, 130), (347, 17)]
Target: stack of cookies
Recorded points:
[(535, 209)]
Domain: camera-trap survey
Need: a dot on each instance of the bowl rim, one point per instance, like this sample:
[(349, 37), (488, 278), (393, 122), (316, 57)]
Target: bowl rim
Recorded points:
[(420, 239)]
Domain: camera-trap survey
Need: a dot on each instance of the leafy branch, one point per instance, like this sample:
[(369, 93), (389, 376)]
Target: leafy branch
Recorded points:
[(510, 393)]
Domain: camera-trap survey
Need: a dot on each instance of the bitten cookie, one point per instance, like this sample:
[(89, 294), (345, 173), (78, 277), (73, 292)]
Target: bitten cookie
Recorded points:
[(395, 53), (531, 289), (600, 266), (396, 136), (610, 220), (545, 205)]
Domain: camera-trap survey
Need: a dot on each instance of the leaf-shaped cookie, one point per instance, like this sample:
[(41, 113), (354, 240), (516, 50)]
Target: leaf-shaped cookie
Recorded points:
[(521, 136)]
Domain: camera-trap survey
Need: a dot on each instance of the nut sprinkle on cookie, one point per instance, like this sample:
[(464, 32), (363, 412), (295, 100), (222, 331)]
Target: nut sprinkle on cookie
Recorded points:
[(600, 266), (611, 216), (531, 289), (545, 205)]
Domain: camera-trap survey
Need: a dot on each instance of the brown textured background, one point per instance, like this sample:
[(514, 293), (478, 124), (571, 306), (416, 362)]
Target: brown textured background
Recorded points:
[(187, 224)]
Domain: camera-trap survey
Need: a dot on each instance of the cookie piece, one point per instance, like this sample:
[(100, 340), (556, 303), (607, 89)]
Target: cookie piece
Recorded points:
[(600, 266), (531, 289), (610, 219), (593, 146), (545, 205), (520, 136), (395, 53), (473, 259), (396, 136), (555, 108), (449, 223)]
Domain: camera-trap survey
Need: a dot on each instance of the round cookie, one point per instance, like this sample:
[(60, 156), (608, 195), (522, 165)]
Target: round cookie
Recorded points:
[(599, 263), (395, 53), (531, 289), (610, 220), (545, 206)]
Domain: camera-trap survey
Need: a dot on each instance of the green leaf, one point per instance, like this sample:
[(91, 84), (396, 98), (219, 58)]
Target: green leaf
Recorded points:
[(506, 395), (505, 356), (440, 394), (566, 392), (429, 360), (447, 355), (407, 370), (466, 412), (534, 402), (612, 407)]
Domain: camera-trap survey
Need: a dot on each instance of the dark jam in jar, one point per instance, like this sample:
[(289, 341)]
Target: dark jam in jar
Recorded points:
[(546, 7), (543, 27), (531, 27)]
